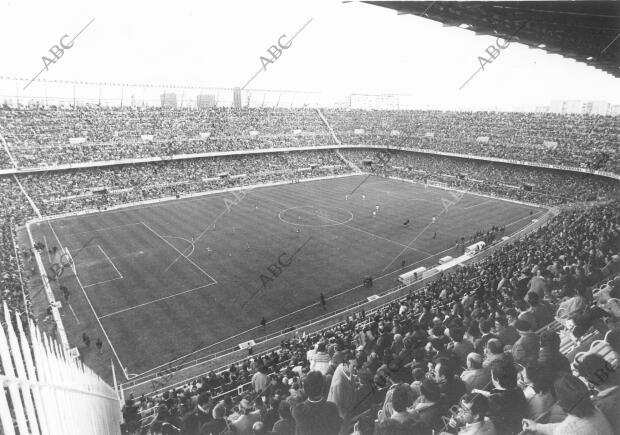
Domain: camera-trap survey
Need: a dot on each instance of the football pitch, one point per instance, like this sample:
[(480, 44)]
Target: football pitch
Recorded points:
[(159, 281)]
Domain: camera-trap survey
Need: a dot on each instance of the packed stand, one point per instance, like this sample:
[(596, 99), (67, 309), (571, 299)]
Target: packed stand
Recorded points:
[(550, 187), (462, 356), (587, 141), (13, 207), (97, 188), (40, 136)]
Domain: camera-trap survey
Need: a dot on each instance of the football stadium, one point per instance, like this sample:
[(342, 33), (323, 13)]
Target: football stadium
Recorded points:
[(216, 259)]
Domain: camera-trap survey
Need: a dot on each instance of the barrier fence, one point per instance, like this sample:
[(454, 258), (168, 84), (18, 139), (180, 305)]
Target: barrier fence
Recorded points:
[(47, 392)]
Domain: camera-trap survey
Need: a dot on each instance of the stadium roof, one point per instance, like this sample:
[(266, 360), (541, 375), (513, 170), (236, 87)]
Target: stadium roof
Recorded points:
[(586, 31)]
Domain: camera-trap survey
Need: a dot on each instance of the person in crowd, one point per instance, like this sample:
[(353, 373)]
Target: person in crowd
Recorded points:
[(476, 377), (321, 360), (549, 354), (459, 346), (537, 383), (506, 333), (450, 385), (485, 328), (582, 416), (342, 391), (494, 351), (285, 424), (526, 347), (507, 402), (248, 416), (316, 416), (472, 416), (427, 408), (605, 380), (218, 424)]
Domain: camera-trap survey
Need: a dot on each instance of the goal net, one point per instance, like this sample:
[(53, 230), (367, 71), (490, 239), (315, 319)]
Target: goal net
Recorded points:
[(440, 184), (66, 260)]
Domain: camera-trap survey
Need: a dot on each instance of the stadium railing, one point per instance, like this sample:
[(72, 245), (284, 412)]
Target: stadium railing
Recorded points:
[(50, 393)]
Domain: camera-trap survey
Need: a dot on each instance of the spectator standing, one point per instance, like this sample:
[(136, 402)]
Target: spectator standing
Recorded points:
[(260, 379), (316, 416), (342, 392)]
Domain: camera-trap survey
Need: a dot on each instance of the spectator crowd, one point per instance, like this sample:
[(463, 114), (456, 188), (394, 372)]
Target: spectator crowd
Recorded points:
[(524, 183), (461, 356), (48, 136)]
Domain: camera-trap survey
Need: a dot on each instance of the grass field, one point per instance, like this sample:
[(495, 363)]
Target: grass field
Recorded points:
[(153, 295)]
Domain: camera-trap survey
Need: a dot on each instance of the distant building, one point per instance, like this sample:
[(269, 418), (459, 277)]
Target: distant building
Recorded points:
[(543, 109), (168, 99), (581, 107), (567, 106), (597, 108), (203, 101), (615, 110), (237, 98), (369, 102)]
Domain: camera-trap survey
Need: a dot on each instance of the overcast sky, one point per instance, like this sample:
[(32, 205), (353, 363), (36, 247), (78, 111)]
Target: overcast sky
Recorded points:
[(346, 48)]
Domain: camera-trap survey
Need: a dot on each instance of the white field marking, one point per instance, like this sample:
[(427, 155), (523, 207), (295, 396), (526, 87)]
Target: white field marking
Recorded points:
[(180, 253), (74, 315), (166, 203), (376, 236), (47, 250), (340, 223), (77, 278), (203, 232), (188, 242), (294, 312), (100, 229), (106, 256), (156, 300), (409, 246), (102, 282), (526, 217), (291, 313), (476, 205)]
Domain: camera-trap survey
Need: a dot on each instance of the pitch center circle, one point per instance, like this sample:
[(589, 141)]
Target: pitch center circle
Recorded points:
[(311, 216)]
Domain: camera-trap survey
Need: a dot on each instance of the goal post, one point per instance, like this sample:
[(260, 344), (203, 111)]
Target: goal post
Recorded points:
[(66, 260)]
